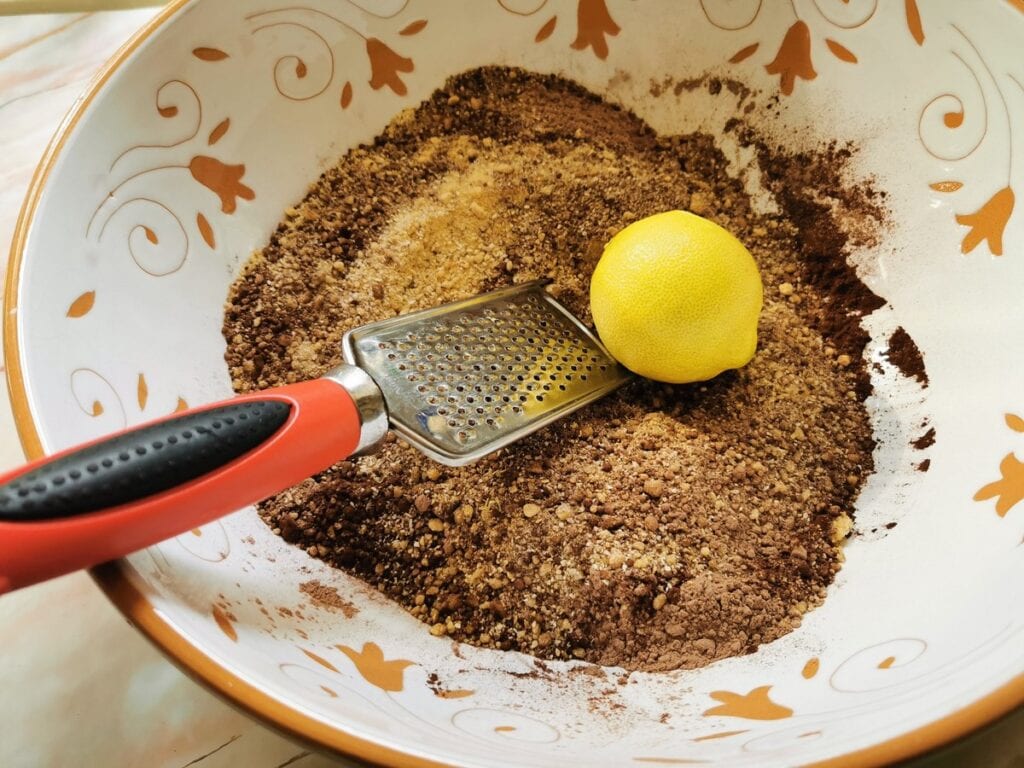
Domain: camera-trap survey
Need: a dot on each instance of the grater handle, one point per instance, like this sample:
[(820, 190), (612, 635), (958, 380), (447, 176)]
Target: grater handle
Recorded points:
[(126, 491)]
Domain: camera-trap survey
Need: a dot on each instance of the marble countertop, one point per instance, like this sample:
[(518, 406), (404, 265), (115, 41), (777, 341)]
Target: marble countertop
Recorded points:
[(81, 687)]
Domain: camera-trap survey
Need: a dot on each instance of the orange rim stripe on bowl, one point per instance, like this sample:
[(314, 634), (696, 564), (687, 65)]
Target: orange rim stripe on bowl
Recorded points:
[(113, 578)]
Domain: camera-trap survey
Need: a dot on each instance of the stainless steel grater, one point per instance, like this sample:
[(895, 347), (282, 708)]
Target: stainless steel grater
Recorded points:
[(464, 379), (458, 382)]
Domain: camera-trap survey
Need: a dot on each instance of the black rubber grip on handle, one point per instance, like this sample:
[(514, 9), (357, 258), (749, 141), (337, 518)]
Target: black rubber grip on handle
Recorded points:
[(141, 462)]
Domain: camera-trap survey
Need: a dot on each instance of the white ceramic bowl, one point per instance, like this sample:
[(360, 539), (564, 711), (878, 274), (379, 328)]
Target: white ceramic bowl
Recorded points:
[(178, 163)]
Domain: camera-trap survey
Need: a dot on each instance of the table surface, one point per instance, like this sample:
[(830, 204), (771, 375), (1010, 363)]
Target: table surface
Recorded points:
[(80, 686)]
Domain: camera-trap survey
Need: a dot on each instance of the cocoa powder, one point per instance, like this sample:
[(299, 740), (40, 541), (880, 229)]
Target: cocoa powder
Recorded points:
[(904, 354), (927, 440), (328, 597), (664, 526)]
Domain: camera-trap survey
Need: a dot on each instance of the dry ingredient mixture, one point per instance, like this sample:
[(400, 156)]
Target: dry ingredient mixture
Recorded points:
[(664, 527)]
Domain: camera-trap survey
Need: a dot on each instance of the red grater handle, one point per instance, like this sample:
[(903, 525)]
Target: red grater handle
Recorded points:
[(126, 491)]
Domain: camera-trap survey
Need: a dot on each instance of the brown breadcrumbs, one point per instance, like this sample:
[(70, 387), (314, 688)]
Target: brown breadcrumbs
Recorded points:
[(664, 527)]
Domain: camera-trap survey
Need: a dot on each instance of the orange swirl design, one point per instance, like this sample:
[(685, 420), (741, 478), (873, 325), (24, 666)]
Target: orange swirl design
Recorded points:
[(950, 122), (169, 111), (505, 4), (847, 25), (91, 404), (140, 230), (988, 223), (493, 725), (731, 27), (211, 543), (871, 664), (147, 243), (385, 16), (386, 64), (295, 63)]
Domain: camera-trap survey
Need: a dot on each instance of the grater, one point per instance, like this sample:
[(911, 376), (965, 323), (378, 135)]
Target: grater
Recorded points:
[(457, 382), (464, 379)]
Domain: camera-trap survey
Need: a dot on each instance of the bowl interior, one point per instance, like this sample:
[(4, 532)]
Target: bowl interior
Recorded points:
[(179, 165)]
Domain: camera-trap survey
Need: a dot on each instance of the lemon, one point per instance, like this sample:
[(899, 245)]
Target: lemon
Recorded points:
[(676, 298)]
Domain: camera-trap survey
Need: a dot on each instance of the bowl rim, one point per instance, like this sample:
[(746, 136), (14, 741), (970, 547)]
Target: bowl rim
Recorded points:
[(113, 577)]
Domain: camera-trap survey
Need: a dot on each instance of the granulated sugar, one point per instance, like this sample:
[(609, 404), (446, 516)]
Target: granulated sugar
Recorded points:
[(663, 527)]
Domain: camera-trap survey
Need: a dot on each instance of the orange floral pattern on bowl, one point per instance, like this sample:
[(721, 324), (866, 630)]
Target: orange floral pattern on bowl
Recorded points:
[(1008, 490), (793, 61), (594, 25), (386, 65)]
